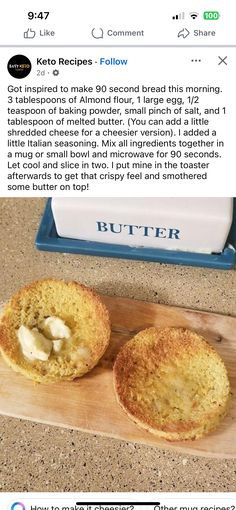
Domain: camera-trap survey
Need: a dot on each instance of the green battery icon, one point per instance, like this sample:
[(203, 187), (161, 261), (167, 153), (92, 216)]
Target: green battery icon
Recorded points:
[(211, 15)]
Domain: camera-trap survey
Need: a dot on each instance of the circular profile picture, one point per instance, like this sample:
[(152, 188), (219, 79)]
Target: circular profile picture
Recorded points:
[(18, 506), (19, 66)]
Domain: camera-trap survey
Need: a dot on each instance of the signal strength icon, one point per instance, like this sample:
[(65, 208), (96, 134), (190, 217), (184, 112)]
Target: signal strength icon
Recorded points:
[(179, 16), (194, 15)]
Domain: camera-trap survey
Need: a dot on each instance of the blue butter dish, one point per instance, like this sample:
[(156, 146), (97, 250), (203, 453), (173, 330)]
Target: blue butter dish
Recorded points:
[(47, 239)]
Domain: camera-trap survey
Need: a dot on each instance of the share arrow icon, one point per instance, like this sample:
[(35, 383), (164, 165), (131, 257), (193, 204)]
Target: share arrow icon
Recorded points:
[(184, 33)]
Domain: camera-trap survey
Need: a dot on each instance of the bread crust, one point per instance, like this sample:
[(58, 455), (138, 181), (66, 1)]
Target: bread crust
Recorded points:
[(82, 310), (172, 383)]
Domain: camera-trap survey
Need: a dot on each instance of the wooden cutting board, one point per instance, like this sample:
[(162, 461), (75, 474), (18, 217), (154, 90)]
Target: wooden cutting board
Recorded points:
[(89, 404)]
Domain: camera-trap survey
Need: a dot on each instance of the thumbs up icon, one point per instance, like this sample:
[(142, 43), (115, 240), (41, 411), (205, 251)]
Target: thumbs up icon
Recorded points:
[(29, 34)]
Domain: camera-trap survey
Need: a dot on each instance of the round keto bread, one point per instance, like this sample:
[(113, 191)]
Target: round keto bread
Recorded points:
[(81, 310), (172, 383)]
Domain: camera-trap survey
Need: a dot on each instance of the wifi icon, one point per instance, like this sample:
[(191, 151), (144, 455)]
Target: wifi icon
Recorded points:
[(194, 15)]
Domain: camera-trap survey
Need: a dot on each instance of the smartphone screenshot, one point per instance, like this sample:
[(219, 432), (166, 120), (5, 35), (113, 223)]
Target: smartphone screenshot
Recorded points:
[(117, 255)]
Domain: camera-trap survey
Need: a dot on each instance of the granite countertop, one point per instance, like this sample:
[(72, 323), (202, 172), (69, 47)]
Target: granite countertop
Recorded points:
[(36, 457)]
